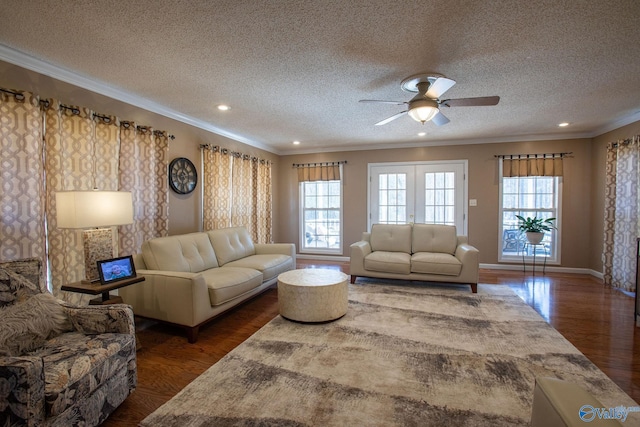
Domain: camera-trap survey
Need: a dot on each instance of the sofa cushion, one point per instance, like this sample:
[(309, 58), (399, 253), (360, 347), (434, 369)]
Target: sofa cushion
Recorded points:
[(434, 238), (227, 283), (388, 262), (77, 366), (435, 263), (391, 237), (186, 253), (271, 265), (231, 244)]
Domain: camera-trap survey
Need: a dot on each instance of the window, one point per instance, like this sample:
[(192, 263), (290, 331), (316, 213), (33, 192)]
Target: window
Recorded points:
[(321, 220), (528, 196)]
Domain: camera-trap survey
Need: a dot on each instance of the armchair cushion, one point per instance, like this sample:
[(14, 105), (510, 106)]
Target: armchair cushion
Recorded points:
[(29, 324), (76, 366)]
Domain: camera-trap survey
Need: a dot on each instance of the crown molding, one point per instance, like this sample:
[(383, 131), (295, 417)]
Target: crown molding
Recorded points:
[(439, 143), (627, 120), (29, 62)]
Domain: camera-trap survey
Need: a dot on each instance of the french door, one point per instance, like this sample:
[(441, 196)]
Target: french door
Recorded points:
[(422, 192)]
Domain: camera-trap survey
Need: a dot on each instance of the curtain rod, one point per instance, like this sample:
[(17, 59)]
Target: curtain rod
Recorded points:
[(75, 110), (302, 165), (19, 96), (236, 154), (626, 141), (528, 156)]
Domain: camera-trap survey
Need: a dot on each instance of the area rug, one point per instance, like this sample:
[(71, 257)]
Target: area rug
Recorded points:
[(404, 355)]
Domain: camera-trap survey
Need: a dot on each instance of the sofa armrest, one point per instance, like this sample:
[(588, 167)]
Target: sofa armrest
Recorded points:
[(100, 319), (22, 391), (276, 248), (359, 250), (468, 256), (172, 296)]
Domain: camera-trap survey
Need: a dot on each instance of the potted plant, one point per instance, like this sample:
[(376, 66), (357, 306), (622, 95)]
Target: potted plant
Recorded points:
[(535, 227)]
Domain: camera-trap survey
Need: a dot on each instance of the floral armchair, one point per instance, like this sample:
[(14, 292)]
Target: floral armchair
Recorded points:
[(60, 364)]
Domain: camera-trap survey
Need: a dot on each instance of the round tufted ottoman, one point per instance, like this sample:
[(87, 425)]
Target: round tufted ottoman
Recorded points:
[(313, 294)]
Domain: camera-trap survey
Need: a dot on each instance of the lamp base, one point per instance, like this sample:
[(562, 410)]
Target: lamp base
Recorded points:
[(98, 245)]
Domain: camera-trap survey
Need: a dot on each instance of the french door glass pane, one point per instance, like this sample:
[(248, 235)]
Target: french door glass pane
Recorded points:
[(392, 196), (439, 198)]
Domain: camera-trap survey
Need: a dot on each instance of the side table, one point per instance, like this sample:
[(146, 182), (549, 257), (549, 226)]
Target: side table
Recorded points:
[(98, 288), (524, 251), (106, 298)]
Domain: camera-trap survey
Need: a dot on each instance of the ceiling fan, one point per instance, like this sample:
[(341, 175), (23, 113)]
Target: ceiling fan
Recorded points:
[(425, 106)]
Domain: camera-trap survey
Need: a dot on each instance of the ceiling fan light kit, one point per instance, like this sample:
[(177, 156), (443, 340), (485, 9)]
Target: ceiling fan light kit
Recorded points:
[(423, 110), (425, 105)]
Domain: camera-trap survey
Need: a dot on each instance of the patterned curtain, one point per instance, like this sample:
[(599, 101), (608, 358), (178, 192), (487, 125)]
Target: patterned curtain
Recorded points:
[(70, 165), (143, 168), (621, 228), (216, 183), (242, 194), (532, 165), (262, 218), (22, 208), (237, 192)]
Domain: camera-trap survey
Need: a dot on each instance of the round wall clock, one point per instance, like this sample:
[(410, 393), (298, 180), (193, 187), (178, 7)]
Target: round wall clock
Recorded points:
[(182, 175)]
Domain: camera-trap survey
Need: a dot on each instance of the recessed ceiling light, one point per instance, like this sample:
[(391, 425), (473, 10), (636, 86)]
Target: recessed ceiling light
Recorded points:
[(296, 142), (223, 107), (563, 124), (422, 134)]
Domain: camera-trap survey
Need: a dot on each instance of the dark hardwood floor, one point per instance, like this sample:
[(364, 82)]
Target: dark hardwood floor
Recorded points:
[(596, 319)]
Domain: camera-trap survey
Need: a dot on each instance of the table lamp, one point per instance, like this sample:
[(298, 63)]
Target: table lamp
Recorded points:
[(94, 211)]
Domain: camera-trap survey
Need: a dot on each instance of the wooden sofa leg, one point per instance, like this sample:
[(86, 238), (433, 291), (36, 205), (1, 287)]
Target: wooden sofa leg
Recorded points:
[(353, 279), (474, 288), (192, 334)]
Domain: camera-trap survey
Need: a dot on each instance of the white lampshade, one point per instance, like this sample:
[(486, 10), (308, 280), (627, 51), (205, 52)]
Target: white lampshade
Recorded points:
[(423, 110), (93, 209)]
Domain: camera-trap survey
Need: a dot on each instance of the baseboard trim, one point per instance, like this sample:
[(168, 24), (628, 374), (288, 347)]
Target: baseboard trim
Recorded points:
[(323, 257), (551, 269)]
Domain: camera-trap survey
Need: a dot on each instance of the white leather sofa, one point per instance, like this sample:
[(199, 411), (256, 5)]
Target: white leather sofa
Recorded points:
[(426, 252), (191, 278)]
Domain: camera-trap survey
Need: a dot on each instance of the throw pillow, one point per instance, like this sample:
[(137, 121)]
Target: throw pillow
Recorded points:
[(27, 325), (14, 287)]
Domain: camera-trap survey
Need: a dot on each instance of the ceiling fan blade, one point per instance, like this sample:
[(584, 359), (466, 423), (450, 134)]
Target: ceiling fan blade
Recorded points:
[(440, 119), (384, 102), (392, 118), (440, 86), (471, 102)]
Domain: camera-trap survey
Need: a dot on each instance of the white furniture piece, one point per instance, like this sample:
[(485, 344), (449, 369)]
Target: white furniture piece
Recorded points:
[(191, 278), (558, 403), (313, 295), (426, 252)]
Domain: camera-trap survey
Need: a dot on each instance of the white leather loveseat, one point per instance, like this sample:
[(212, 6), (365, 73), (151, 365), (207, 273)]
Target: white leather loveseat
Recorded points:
[(191, 278), (426, 252)]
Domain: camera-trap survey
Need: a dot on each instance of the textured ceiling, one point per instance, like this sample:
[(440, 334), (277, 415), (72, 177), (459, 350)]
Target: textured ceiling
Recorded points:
[(295, 70)]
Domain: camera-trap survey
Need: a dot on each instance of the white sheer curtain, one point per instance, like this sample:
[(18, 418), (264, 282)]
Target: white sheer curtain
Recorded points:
[(622, 227)]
